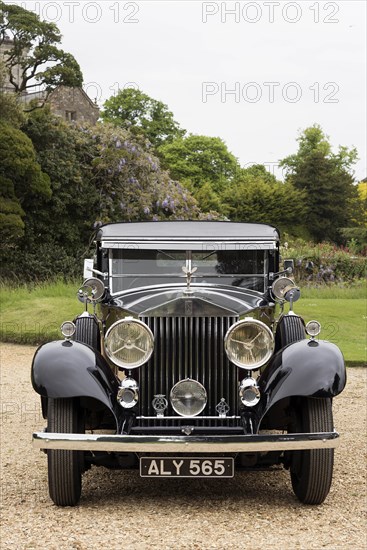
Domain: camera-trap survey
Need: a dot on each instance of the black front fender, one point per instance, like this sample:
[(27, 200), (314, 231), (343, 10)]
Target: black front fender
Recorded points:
[(307, 368), (65, 369)]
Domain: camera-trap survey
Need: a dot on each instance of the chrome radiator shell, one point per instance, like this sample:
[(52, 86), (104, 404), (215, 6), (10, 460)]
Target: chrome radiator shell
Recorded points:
[(189, 347)]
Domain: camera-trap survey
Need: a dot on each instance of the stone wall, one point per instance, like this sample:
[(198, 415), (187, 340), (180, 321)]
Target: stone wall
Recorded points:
[(73, 104), (6, 86)]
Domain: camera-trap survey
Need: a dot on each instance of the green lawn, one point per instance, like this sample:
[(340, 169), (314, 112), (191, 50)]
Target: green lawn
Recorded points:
[(34, 315), (343, 322)]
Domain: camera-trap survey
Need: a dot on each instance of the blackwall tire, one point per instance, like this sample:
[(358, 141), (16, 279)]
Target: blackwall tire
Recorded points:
[(64, 467), (312, 471)]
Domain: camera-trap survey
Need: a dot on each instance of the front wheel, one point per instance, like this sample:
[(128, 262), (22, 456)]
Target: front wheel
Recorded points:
[(312, 470), (64, 467)]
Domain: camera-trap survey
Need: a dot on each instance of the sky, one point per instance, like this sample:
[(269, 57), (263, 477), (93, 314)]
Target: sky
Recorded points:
[(254, 73)]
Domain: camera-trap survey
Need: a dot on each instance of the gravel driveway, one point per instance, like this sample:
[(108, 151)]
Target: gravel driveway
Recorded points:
[(119, 510)]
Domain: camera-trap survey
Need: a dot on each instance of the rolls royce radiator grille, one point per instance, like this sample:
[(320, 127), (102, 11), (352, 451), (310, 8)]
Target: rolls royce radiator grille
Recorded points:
[(189, 347)]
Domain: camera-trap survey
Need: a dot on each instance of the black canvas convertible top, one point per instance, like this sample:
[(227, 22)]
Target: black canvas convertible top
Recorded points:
[(188, 231)]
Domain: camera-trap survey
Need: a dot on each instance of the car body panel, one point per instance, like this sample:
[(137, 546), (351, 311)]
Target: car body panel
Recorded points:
[(203, 300), (173, 231), (63, 369), (308, 368)]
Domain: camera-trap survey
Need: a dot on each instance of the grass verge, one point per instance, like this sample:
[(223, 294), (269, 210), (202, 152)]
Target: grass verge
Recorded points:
[(34, 315), (343, 322)]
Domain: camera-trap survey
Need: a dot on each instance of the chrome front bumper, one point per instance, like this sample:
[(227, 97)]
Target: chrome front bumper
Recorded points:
[(185, 444)]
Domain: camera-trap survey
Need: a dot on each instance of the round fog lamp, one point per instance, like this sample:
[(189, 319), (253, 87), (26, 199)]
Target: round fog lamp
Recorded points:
[(68, 329), (249, 392), (128, 394), (313, 328), (188, 397)]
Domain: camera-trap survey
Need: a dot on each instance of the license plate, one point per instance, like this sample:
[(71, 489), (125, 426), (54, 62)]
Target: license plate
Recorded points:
[(186, 467)]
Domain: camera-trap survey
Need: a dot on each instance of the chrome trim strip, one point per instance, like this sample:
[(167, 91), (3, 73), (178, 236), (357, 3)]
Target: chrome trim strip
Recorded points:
[(194, 244), (185, 444), (212, 287), (198, 275), (234, 417)]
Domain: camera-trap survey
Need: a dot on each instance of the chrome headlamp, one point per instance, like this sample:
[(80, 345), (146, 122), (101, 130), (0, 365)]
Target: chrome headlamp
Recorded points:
[(188, 397), (129, 343), (249, 344), (285, 289)]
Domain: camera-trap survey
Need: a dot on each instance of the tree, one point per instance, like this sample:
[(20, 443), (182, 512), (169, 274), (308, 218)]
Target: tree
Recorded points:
[(203, 164), (10, 110), (33, 46), (356, 237), (21, 179), (132, 185), (326, 178), (64, 153), (259, 171), (97, 174), (256, 196), (362, 194), (133, 109), (11, 214)]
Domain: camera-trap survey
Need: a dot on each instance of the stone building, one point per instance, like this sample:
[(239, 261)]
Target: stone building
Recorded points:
[(72, 104), (6, 85)]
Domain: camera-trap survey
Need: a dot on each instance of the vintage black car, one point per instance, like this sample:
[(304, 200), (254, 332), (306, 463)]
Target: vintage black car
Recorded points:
[(188, 361)]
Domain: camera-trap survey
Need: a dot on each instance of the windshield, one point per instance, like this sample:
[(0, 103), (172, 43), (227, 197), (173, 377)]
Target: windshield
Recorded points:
[(133, 268)]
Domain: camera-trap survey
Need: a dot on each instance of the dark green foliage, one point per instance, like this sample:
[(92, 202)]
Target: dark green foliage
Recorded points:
[(35, 49), (97, 174), (18, 162), (256, 196), (196, 160), (31, 263), (331, 199), (11, 214), (64, 155), (134, 110), (10, 110), (21, 181), (208, 200)]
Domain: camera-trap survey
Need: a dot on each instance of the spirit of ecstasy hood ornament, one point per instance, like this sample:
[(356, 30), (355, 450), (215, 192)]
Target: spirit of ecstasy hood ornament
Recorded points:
[(189, 273)]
